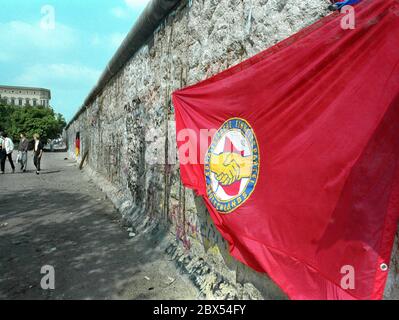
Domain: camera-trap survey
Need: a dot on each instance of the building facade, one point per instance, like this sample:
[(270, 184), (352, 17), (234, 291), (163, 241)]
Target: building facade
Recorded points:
[(25, 96)]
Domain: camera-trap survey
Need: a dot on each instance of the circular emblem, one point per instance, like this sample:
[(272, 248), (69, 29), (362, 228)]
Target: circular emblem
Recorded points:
[(232, 165)]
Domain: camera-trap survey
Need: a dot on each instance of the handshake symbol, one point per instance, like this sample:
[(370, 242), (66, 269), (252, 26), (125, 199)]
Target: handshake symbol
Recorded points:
[(230, 167)]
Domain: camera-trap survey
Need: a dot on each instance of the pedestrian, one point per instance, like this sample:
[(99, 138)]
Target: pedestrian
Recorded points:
[(37, 152), (7, 149), (2, 151), (23, 150)]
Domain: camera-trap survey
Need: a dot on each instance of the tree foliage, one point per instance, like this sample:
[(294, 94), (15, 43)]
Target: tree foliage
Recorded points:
[(30, 120)]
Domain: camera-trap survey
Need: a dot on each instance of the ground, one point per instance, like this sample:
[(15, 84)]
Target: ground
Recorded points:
[(60, 218)]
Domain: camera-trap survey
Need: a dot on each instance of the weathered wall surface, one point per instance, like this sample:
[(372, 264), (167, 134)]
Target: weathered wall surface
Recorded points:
[(130, 126)]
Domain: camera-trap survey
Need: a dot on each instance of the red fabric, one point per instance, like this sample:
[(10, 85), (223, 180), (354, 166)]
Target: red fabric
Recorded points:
[(324, 107)]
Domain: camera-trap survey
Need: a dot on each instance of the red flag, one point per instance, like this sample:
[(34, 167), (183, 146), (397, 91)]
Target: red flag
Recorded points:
[(308, 189)]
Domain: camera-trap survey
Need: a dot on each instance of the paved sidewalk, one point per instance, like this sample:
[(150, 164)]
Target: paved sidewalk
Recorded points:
[(60, 218)]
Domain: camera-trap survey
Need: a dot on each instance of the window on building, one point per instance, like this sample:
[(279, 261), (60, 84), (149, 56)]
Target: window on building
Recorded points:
[(27, 102), (20, 102), (34, 102)]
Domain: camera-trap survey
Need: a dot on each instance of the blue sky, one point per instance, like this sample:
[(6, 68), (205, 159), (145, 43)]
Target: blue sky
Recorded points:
[(66, 54)]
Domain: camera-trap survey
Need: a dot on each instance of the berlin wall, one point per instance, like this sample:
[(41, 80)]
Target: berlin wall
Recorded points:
[(128, 131)]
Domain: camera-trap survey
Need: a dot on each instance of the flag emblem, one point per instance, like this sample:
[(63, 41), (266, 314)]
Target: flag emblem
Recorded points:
[(232, 165)]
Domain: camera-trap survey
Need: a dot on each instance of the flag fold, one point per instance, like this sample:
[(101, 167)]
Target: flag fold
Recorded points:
[(296, 154)]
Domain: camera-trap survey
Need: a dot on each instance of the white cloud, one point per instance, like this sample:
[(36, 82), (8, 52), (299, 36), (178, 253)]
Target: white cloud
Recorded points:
[(136, 3), (119, 12), (67, 76), (125, 11), (17, 35)]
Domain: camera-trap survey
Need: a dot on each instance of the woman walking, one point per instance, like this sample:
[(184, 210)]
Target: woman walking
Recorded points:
[(7, 149), (37, 152), (23, 150), (2, 152)]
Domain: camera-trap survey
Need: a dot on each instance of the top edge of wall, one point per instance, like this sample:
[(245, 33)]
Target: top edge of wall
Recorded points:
[(145, 26)]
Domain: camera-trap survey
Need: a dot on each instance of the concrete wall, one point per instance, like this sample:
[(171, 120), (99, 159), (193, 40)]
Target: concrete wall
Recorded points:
[(131, 123)]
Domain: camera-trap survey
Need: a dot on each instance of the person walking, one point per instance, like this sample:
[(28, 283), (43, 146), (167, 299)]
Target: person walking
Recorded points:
[(8, 148), (2, 151), (23, 149), (37, 152)]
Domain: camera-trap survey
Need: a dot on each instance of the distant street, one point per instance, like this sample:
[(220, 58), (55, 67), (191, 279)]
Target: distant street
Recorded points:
[(61, 219)]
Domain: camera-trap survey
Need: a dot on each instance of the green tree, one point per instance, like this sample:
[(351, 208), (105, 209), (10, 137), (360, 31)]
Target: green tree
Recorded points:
[(31, 120), (5, 116)]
